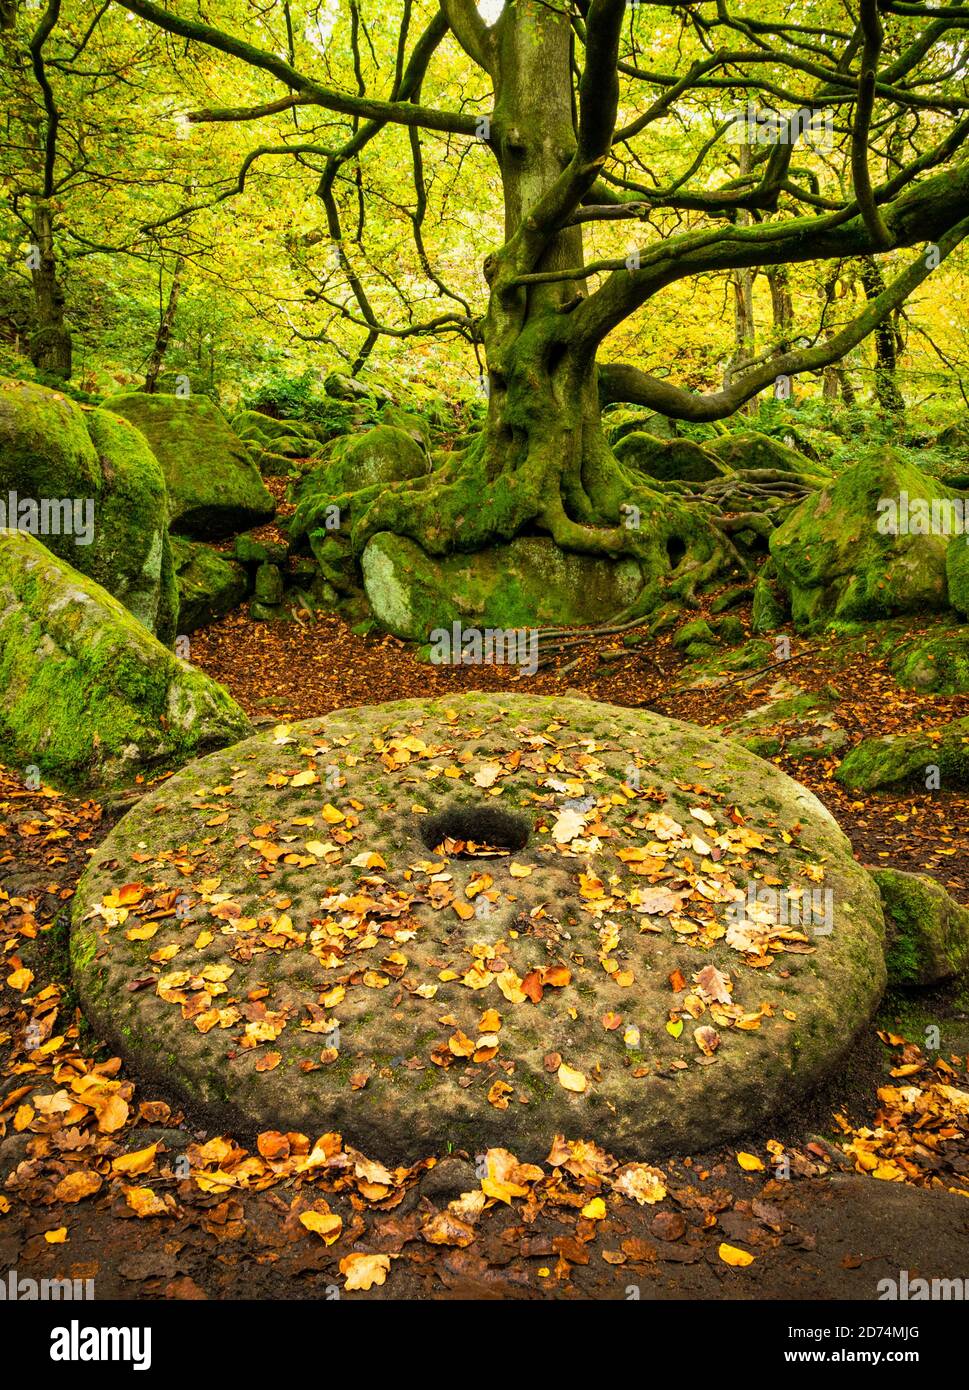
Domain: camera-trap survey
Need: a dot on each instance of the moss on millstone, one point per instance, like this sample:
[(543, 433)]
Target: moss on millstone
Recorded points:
[(90, 697), (528, 582), (396, 962), (209, 584), (213, 485), (52, 449), (837, 561), (927, 930), (910, 760), (668, 459)]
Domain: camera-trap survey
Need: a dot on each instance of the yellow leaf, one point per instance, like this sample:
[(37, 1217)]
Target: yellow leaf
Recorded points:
[(76, 1186), (141, 1161), (144, 1202), (750, 1163), (594, 1210), (363, 1271), (56, 1237), (736, 1258), (571, 1079), (324, 1223)]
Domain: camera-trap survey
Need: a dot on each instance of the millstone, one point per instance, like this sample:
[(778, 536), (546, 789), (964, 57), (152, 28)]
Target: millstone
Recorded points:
[(301, 932)]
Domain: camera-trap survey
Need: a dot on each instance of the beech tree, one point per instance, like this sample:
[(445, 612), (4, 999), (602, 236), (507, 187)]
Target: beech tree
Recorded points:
[(577, 92)]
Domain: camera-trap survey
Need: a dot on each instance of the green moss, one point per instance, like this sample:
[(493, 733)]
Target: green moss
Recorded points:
[(928, 932), (213, 485), (837, 564), (906, 759), (90, 695)]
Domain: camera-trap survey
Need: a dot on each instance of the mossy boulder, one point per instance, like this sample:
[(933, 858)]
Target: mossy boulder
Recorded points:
[(348, 388), (957, 572), (955, 436), (668, 460), (910, 760), (90, 697), (354, 467), (295, 439), (838, 560), (927, 931), (752, 449), (697, 630), (770, 608), (209, 584), (214, 487), (51, 448), (327, 977), (528, 582), (617, 424), (936, 662)]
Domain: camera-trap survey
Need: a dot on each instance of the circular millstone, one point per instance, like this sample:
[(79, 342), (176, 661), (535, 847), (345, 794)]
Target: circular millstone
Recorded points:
[(277, 934)]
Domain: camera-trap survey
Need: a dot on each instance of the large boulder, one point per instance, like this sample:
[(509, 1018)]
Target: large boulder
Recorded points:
[(938, 759), (957, 571), (209, 584), (276, 445), (668, 460), (627, 963), (90, 697), (353, 464), (528, 582), (213, 485), (752, 449), (838, 559), (53, 450), (927, 930), (936, 662)]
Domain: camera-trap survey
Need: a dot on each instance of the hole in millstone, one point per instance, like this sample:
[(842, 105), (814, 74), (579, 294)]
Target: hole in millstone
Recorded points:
[(475, 831)]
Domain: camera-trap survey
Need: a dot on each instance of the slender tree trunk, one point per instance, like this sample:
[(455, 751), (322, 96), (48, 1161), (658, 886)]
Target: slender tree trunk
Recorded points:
[(163, 336), (887, 390), (51, 346)]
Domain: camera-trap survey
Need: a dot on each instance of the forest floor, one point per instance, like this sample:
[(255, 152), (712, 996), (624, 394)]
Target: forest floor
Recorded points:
[(784, 1214)]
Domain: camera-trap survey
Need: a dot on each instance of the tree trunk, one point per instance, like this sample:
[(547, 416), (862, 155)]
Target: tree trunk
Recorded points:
[(51, 346), (541, 463), (887, 390), (163, 336)]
